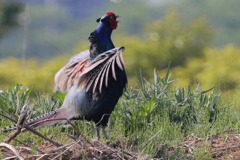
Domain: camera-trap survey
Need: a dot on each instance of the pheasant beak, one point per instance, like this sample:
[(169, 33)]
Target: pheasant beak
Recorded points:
[(117, 16)]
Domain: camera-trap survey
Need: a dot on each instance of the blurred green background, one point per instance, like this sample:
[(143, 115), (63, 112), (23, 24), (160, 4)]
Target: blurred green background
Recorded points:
[(199, 38)]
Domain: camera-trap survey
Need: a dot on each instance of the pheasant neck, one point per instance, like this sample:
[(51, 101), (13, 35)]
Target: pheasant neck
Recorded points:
[(103, 33), (100, 40)]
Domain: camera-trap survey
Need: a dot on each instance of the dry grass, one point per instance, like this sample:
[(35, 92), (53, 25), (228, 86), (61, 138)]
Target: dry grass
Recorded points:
[(222, 148)]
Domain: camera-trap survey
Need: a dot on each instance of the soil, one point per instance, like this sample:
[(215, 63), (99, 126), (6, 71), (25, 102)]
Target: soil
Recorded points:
[(222, 147)]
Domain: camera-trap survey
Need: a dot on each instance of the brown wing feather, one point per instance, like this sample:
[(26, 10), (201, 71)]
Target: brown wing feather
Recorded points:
[(64, 79)]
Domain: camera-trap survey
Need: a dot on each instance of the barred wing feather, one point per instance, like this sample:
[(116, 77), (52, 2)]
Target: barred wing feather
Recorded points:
[(97, 72)]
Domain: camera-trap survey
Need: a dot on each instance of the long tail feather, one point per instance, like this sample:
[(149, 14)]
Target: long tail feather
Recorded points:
[(41, 121)]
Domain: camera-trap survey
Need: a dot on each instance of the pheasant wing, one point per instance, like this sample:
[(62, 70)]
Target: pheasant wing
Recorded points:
[(64, 78), (97, 72)]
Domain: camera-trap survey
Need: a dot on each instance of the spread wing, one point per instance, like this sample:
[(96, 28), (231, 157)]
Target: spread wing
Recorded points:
[(97, 72), (64, 78)]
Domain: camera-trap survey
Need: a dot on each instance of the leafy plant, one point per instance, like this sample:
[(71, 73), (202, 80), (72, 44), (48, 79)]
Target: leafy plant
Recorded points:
[(154, 100), (152, 106), (14, 98)]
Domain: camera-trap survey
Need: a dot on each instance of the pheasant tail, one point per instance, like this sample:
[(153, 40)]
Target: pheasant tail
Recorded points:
[(47, 119)]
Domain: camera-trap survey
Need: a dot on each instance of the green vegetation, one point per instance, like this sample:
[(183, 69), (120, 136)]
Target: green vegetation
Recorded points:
[(151, 107), (151, 118)]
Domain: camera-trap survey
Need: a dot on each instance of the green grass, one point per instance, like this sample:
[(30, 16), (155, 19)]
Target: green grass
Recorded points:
[(151, 118)]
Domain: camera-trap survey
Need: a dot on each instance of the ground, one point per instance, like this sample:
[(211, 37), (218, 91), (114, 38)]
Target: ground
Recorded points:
[(221, 147)]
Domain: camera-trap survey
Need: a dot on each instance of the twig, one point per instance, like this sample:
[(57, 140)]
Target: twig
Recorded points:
[(13, 135), (127, 153), (226, 139), (22, 143), (236, 136), (68, 121), (75, 139), (223, 149), (13, 120), (12, 149), (62, 147), (77, 130), (33, 131), (68, 146), (21, 122), (16, 140), (42, 136), (9, 158), (80, 133), (189, 148), (57, 149), (120, 150), (102, 118), (5, 111), (95, 149), (150, 139)]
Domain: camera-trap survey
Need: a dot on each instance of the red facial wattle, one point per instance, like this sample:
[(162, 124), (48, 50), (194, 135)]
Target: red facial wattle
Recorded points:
[(112, 20), (113, 24)]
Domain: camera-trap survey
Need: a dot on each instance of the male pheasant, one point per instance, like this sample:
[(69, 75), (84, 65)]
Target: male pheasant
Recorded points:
[(94, 79)]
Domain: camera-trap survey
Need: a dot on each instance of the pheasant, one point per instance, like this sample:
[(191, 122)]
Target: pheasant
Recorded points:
[(94, 79)]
